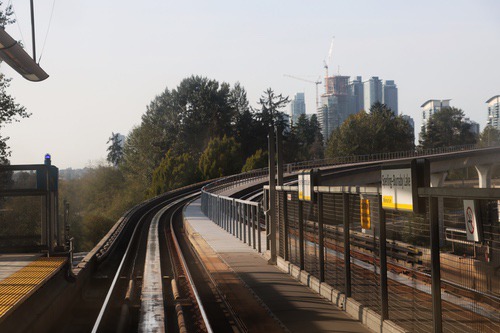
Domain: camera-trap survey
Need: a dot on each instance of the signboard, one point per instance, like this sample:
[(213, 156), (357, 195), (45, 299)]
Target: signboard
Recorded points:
[(471, 225), (398, 189), (305, 185), (364, 210)]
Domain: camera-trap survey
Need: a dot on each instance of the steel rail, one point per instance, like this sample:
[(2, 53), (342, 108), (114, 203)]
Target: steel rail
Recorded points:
[(188, 274), (126, 257)]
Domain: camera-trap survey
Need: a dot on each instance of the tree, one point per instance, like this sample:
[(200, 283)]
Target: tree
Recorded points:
[(447, 128), (173, 172), (115, 149), (489, 137), (9, 110), (363, 133), (221, 158), (258, 160), (305, 141)]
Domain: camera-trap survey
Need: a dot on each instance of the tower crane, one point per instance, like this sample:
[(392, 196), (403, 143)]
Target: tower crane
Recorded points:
[(327, 62), (317, 82)]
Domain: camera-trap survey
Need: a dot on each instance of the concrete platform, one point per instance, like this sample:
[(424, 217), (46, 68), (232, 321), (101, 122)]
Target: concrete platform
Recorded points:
[(281, 301), (13, 262)]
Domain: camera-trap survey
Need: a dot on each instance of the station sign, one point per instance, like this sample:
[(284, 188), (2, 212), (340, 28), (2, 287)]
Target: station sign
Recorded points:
[(400, 183), (306, 185), (471, 225), (398, 189)]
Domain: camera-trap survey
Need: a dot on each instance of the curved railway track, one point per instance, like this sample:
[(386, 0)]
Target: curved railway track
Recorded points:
[(151, 280)]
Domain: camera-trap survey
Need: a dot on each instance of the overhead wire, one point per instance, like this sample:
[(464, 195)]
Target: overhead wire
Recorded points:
[(17, 21), (47, 33)]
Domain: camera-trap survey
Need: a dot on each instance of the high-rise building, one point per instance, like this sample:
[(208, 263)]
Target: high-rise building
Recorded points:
[(390, 96), (410, 121), (356, 90), (298, 107), (430, 107), (372, 92), (337, 104), (494, 112)]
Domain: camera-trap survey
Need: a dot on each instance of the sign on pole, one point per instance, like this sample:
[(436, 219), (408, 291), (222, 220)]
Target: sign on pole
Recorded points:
[(397, 189), (471, 225), (364, 207), (306, 185)]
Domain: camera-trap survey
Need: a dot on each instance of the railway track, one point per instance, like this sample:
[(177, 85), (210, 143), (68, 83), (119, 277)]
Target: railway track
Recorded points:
[(151, 281)]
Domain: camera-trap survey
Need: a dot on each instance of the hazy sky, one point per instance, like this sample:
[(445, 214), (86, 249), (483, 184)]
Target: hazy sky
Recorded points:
[(108, 59)]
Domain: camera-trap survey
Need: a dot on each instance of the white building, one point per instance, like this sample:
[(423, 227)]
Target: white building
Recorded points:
[(494, 112), (430, 107)]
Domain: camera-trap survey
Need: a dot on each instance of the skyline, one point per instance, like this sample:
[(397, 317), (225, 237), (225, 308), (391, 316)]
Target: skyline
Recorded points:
[(108, 61)]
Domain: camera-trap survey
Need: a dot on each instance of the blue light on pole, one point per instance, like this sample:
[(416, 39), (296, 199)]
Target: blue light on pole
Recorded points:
[(47, 159)]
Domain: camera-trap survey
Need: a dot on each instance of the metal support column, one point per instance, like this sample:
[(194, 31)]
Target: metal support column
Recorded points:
[(384, 297), (272, 197), (321, 242), (301, 235), (285, 240), (279, 149), (347, 245), (437, 315)]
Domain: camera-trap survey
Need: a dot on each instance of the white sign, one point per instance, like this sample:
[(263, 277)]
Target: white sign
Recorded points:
[(397, 189), (470, 221), (305, 186)]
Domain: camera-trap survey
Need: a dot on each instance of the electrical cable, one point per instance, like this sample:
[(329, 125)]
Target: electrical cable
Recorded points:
[(47, 33)]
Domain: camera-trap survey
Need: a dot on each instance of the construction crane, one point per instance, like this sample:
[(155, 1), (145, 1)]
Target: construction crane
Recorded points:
[(328, 61), (317, 82)]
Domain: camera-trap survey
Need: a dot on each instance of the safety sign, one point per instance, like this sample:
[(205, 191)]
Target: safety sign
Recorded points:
[(471, 221)]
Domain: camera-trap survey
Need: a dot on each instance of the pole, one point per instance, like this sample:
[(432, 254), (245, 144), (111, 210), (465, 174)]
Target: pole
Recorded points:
[(272, 196), (33, 29), (279, 148)]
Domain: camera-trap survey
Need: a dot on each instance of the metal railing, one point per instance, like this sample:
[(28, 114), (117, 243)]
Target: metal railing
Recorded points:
[(241, 218)]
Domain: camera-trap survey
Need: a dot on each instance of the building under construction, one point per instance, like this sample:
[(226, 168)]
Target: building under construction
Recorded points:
[(337, 104), (344, 97)]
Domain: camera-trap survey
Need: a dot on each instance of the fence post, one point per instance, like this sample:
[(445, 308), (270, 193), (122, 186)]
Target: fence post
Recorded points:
[(347, 245), (321, 243), (252, 210), (437, 315), (301, 236), (250, 223), (233, 218), (286, 255), (384, 298)]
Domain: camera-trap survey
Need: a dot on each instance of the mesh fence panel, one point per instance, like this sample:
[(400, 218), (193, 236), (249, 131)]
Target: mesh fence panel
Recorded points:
[(293, 229), (468, 276), (21, 222), (364, 265), (311, 235), (408, 243), (333, 238)]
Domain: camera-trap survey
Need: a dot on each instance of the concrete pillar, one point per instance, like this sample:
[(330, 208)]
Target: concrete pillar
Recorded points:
[(484, 172), (437, 179)]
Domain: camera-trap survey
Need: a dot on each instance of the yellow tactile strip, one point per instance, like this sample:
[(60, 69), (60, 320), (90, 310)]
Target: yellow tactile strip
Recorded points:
[(25, 281)]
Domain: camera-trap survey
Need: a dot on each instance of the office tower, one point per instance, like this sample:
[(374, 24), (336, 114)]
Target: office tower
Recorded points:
[(298, 107), (390, 96), (372, 92), (356, 90)]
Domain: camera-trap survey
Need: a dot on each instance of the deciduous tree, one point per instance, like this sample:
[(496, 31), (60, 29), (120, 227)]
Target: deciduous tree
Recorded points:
[(367, 133), (447, 128)]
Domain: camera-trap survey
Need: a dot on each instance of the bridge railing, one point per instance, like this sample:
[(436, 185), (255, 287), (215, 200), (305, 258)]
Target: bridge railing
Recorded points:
[(239, 179)]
